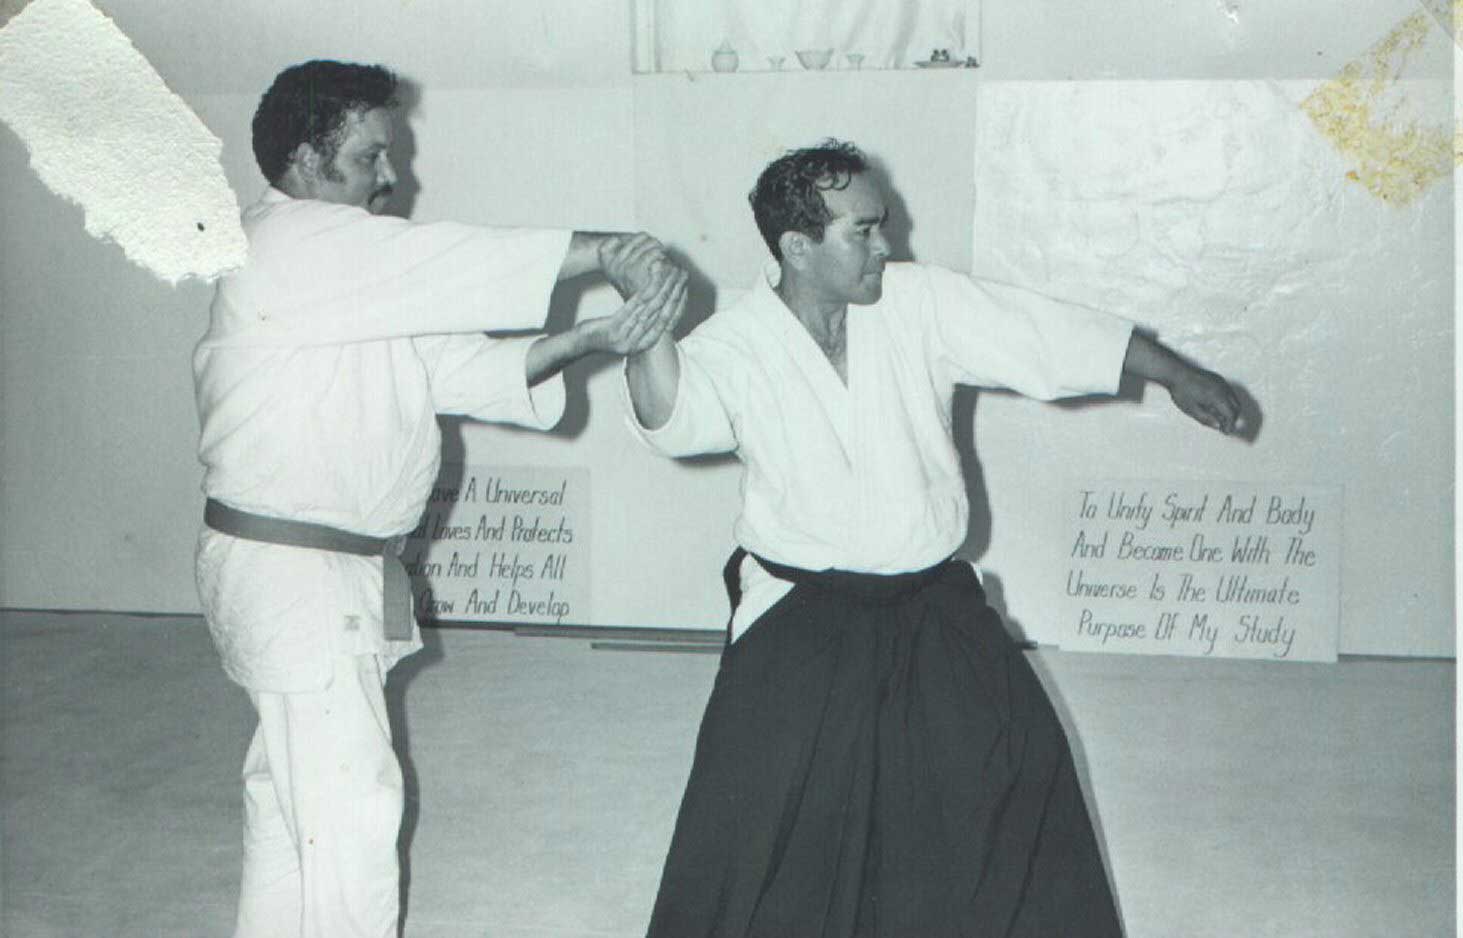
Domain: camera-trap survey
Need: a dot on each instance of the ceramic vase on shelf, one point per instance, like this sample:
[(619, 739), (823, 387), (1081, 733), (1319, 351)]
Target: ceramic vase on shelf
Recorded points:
[(724, 59)]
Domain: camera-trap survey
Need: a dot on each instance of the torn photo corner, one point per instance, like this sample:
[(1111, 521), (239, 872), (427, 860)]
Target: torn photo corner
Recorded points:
[(104, 131)]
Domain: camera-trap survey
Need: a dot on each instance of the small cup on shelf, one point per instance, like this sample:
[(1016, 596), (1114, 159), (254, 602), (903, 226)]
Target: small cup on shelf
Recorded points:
[(724, 59), (814, 58)]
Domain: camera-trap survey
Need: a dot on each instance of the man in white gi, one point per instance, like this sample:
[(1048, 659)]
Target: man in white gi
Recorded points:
[(877, 757), (327, 359)]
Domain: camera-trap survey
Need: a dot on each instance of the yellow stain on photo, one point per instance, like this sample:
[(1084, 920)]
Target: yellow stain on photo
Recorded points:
[(1371, 115)]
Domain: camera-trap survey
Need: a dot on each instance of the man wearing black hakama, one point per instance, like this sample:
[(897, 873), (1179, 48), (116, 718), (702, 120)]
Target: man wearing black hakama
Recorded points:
[(877, 757)]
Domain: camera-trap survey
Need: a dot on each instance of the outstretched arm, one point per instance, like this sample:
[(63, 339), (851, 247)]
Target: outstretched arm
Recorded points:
[(648, 314), (1202, 394)]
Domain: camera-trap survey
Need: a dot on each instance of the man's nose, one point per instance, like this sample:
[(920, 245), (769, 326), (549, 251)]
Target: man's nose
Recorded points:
[(881, 245), (385, 172)]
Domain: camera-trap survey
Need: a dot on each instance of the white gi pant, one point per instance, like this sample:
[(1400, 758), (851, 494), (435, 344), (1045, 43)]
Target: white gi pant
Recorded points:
[(323, 800)]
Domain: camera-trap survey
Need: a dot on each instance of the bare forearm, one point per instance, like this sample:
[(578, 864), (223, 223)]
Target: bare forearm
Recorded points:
[(1151, 360), (583, 255), (1198, 392), (653, 376), (551, 353)]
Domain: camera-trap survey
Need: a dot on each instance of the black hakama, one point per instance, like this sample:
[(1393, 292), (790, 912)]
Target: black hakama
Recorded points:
[(877, 758)]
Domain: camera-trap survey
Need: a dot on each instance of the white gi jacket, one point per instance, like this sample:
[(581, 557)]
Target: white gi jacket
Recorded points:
[(327, 358), (866, 477)]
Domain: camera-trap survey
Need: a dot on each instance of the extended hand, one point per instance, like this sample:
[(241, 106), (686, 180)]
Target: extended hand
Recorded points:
[(1208, 398), (629, 260), (646, 316)]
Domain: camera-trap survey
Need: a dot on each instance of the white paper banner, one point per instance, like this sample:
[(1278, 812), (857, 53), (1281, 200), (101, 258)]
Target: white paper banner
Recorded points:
[(1201, 569), (503, 544)]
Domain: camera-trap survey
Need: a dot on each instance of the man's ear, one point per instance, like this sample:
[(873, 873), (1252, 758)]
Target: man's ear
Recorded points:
[(794, 245), (306, 160)]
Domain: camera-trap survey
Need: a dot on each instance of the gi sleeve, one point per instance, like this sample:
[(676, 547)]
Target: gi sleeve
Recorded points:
[(998, 335), (322, 274), (487, 378), (699, 422)]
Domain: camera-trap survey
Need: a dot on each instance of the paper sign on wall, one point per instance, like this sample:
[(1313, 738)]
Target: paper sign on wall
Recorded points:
[(503, 544), (1201, 569)]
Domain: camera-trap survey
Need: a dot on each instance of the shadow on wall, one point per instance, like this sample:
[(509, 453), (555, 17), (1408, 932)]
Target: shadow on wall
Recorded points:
[(398, 680), (899, 224), (403, 152), (978, 530)]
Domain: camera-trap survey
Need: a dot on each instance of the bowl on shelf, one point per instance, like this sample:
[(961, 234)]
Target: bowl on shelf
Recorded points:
[(724, 58), (814, 58)]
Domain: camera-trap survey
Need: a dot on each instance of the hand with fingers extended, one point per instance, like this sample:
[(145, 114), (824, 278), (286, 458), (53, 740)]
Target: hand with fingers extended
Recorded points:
[(628, 261), (649, 313)]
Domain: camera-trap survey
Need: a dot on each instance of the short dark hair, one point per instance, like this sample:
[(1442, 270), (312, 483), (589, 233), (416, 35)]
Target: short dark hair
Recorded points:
[(789, 193), (308, 103)]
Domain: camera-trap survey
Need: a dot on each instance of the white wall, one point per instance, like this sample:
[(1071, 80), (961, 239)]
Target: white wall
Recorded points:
[(100, 495), (97, 413), (1213, 212)]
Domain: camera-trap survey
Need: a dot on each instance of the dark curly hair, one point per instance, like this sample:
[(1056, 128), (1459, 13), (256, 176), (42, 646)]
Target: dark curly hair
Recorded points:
[(789, 193), (308, 103)]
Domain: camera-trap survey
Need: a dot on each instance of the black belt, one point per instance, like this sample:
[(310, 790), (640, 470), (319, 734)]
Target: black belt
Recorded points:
[(395, 586), (873, 588)]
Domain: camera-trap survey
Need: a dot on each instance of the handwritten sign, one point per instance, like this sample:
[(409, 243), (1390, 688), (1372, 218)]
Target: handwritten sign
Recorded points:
[(1201, 569), (503, 544)]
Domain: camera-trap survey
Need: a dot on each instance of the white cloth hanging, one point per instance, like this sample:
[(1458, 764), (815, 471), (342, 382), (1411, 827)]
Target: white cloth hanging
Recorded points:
[(678, 35)]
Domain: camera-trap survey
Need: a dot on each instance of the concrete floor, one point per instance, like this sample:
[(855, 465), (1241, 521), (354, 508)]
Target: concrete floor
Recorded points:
[(1235, 798)]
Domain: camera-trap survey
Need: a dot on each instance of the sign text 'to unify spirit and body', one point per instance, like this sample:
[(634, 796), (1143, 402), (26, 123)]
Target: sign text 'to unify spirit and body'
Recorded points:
[(1193, 568)]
